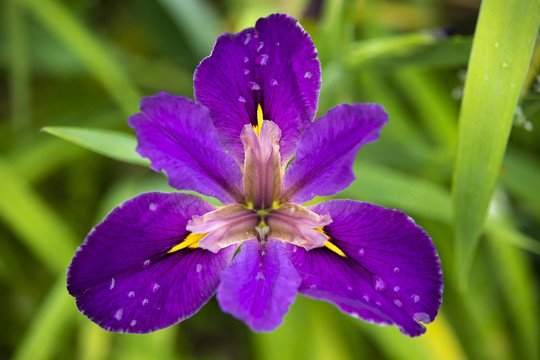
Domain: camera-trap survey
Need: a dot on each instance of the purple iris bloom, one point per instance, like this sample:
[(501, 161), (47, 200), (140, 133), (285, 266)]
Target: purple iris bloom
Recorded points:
[(249, 141)]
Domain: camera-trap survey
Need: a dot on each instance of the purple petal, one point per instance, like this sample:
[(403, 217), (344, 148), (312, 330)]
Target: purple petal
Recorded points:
[(262, 169), (326, 152), (275, 65), (123, 277), (297, 225), (177, 135), (390, 274), (226, 225), (260, 285)]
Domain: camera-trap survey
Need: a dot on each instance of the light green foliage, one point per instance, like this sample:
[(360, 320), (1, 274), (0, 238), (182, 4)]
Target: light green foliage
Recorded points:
[(504, 39), (114, 144), (78, 69)]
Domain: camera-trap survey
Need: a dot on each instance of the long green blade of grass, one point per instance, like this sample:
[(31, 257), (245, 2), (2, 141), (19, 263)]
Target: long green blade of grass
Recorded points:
[(90, 51), (47, 331), (34, 222), (189, 16), (497, 68), (420, 197), (114, 144), (19, 68)]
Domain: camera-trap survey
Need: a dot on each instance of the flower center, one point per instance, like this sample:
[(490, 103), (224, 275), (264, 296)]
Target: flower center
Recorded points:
[(263, 215)]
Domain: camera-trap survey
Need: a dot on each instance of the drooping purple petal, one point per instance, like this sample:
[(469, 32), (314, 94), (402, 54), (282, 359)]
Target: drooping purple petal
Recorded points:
[(123, 277), (177, 135), (326, 151), (391, 273), (275, 65), (260, 285)]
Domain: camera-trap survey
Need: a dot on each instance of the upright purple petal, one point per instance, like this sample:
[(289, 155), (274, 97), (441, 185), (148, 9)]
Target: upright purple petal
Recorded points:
[(260, 285), (275, 65), (326, 152), (262, 166), (177, 135), (123, 277), (390, 274)]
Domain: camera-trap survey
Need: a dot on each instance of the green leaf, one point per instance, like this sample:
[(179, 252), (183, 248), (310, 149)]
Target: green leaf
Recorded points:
[(91, 52), (34, 222), (198, 20), (392, 188), (114, 144), (19, 68), (515, 277), (521, 177), (505, 35), (51, 324), (420, 197)]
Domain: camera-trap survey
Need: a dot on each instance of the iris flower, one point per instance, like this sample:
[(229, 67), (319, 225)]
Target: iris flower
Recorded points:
[(250, 141)]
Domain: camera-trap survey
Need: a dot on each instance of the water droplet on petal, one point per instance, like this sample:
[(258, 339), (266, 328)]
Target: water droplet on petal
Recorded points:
[(396, 288), (130, 294), (378, 303), (253, 86), (366, 297), (295, 249), (398, 303), (247, 38), (245, 71), (241, 99), (277, 43), (246, 59), (308, 75), (350, 288), (273, 83), (261, 59), (133, 323), (313, 287), (152, 207), (415, 298), (260, 46), (118, 314), (146, 264), (144, 302), (154, 287), (198, 268), (396, 269), (113, 282), (361, 252), (423, 317), (378, 283)]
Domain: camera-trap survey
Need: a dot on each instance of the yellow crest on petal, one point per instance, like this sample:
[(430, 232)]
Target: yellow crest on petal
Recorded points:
[(191, 241), (331, 246), (260, 119)]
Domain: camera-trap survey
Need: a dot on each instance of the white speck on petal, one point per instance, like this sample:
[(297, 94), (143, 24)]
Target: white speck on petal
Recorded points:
[(118, 314)]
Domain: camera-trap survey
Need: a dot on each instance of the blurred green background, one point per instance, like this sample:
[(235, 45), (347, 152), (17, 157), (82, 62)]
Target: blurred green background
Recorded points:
[(87, 63)]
